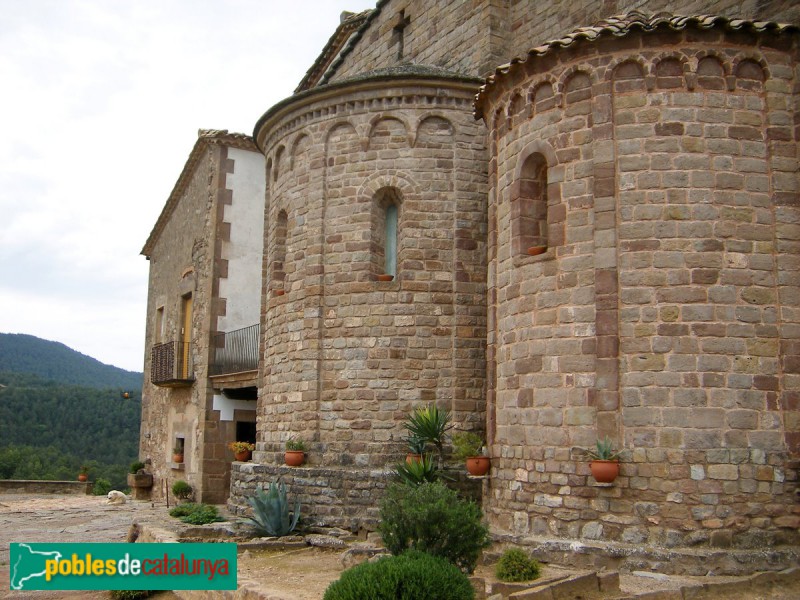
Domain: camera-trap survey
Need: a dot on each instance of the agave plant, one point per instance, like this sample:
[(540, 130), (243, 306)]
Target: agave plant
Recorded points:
[(417, 472), (271, 510), (416, 445), (604, 450)]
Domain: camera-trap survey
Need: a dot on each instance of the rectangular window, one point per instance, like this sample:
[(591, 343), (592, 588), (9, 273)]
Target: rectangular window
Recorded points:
[(160, 325)]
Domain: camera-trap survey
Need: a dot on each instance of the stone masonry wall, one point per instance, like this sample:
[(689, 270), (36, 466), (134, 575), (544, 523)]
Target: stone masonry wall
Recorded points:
[(347, 357), (452, 35), (475, 37), (183, 260), (330, 497), (664, 311)]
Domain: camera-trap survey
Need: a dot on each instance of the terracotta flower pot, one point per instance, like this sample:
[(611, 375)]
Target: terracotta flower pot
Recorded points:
[(478, 465), (536, 250), (385, 277), (242, 456), (177, 458), (294, 458), (83, 477), (412, 458), (604, 471)]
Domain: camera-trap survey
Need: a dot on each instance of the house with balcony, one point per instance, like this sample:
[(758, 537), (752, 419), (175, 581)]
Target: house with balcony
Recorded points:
[(202, 336)]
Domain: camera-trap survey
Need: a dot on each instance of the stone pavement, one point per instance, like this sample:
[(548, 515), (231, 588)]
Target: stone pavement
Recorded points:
[(71, 518)]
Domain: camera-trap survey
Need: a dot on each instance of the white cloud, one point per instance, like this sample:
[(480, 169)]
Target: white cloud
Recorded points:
[(101, 106)]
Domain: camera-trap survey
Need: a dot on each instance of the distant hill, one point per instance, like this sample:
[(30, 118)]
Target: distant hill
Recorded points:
[(60, 409), (21, 353), (87, 422)]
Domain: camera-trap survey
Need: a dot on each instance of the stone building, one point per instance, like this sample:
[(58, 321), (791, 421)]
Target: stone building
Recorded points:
[(651, 162), (202, 328)]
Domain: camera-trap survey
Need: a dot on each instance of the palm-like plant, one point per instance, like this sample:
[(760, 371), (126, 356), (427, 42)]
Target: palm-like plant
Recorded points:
[(271, 510), (429, 424)]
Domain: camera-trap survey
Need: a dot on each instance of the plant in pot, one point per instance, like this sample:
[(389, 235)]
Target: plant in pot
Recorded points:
[(138, 477), (468, 446), (83, 474), (295, 452), (177, 453), (605, 461), (242, 450), (416, 448)]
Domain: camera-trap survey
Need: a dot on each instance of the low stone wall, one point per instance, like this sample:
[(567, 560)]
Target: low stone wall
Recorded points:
[(331, 497), (629, 558), (32, 486)]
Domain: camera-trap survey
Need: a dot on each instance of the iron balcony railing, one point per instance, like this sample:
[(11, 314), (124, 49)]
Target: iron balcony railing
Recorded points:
[(171, 364), (235, 351)]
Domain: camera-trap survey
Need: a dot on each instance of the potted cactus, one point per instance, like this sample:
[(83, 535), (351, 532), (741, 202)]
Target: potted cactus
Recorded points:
[(605, 461)]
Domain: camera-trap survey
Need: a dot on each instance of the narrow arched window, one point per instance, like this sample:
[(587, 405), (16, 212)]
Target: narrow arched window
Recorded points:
[(385, 224), (390, 243), (279, 256), (529, 206)]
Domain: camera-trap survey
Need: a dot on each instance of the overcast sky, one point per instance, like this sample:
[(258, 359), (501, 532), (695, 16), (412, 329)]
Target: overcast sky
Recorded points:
[(100, 106)]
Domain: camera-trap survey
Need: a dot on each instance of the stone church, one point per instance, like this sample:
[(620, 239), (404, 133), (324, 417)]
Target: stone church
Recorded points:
[(558, 220)]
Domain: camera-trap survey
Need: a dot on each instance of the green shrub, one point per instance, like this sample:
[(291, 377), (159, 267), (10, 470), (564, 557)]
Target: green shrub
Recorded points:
[(467, 444), (410, 576), (101, 487), (182, 509), (196, 514), (271, 510), (204, 513), (135, 466), (516, 565), (129, 594), (432, 518), (182, 490)]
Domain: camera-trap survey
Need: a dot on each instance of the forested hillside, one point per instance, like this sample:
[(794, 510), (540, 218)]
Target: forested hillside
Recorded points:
[(50, 428), (21, 353)]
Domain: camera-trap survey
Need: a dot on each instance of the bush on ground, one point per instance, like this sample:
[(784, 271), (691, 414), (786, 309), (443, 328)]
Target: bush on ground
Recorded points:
[(433, 519), (196, 514), (101, 487), (516, 565), (182, 490), (130, 594), (410, 576)]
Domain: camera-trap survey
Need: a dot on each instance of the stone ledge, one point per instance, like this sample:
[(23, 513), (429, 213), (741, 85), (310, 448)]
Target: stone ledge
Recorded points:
[(33, 486), (622, 557)]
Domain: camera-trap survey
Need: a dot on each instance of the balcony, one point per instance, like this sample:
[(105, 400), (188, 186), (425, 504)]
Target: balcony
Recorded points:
[(171, 364), (235, 351)]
